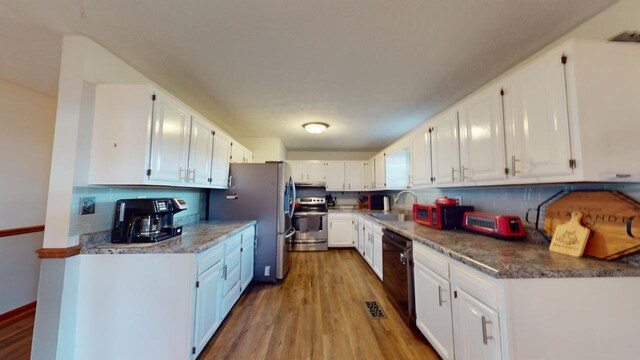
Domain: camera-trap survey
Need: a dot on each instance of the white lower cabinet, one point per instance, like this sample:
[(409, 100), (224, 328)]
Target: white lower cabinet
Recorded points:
[(369, 243), (248, 255), (433, 309), (361, 234), (340, 228), (209, 288), (377, 250), (477, 328)]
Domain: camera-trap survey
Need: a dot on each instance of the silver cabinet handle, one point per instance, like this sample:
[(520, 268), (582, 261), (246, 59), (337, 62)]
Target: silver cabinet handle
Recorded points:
[(462, 174), (485, 338), (224, 272), (453, 174), (439, 295), (191, 175), (230, 177), (180, 177), (403, 258), (513, 165)]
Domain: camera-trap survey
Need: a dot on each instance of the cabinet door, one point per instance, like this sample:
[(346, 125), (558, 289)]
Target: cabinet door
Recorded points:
[(248, 156), (246, 262), (208, 305), (368, 245), (537, 120), (355, 175), (315, 171), (380, 171), (476, 329), (220, 168), (169, 141), (377, 253), (237, 153), (482, 141), (334, 174), (361, 236), (433, 309), (200, 153), (371, 174), (420, 160), (340, 232), (354, 232), (445, 147)]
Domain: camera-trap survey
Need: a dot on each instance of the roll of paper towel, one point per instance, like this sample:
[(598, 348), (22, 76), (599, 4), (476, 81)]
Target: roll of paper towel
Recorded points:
[(385, 202)]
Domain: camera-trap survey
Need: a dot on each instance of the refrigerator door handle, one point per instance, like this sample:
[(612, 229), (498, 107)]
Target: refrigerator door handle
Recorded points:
[(290, 232), (293, 203)]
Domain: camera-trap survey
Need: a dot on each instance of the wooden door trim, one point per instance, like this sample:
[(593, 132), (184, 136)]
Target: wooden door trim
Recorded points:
[(17, 313), (21, 230), (58, 253)]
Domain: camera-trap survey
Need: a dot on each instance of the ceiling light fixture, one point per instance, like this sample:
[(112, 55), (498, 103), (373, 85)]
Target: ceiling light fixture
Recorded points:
[(315, 127)]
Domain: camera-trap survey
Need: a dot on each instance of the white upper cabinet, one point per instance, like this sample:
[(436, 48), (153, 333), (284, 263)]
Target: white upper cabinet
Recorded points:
[(420, 159), (221, 154), (298, 170), (200, 153), (315, 171), (380, 172), (482, 142), (335, 175), (238, 153), (537, 119), (397, 170), (445, 148), (248, 156), (355, 178), (369, 174)]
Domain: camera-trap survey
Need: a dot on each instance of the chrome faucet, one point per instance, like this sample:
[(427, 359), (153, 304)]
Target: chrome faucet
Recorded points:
[(415, 197)]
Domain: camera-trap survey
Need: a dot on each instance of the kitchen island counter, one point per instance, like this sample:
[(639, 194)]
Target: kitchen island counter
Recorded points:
[(195, 238)]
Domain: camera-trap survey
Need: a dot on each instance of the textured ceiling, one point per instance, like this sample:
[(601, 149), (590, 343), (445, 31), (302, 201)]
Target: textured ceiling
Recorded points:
[(373, 69)]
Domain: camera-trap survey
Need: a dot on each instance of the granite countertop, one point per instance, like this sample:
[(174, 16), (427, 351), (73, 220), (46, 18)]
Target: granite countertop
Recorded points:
[(502, 259), (195, 238)]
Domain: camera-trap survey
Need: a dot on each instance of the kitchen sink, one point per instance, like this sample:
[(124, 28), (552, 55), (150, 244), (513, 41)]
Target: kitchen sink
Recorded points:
[(392, 217)]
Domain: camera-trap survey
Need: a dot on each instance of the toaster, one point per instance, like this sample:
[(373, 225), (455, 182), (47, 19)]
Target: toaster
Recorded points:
[(504, 227)]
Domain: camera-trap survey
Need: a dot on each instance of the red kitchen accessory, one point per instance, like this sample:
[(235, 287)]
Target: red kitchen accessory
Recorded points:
[(506, 227), (445, 214), (445, 201)]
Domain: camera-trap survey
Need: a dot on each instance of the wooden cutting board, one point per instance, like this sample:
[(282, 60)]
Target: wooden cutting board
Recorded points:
[(606, 214), (570, 238)]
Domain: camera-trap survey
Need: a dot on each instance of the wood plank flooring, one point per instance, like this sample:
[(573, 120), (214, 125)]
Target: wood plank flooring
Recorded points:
[(317, 313), (15, 338)]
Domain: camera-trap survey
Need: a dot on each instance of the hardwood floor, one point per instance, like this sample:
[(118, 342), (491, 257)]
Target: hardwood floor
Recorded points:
[(317, 313), (15, 338)]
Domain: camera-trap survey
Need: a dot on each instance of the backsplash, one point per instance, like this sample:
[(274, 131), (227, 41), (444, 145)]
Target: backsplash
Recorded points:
[(106, 197), (509, 200), (342, 198)]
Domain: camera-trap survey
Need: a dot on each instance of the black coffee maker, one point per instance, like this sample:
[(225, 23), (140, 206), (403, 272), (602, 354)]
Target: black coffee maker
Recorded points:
[(145, 220)]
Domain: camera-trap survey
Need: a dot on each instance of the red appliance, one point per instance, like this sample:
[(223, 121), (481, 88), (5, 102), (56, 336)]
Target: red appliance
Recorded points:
[(499, 226), (372, 202), (444, 214)]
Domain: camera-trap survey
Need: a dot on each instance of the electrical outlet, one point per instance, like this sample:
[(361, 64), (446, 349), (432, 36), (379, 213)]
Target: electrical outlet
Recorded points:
[(267, 270), (88, 205)]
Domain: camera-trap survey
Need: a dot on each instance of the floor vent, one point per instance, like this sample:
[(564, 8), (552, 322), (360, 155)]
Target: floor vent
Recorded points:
[(374, 310)]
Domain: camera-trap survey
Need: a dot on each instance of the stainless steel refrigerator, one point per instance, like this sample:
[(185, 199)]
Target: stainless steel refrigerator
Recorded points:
[(264, 192)]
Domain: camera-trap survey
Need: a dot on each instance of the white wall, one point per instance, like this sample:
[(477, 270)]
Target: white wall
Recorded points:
[(329, 155), (265, 149), (26, 136)]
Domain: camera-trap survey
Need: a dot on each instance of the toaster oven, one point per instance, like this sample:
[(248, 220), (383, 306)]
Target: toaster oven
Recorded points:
[(498, 226)]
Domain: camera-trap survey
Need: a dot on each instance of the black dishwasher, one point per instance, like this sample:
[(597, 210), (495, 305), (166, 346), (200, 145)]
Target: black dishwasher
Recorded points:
[(397, 272)]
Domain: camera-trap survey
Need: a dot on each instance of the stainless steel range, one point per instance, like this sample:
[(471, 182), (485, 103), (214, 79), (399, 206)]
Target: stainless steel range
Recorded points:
[(311, 223)]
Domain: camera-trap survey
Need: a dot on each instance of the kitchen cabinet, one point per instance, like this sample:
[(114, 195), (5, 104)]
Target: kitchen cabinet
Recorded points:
[(240, 154), (368, 244), (248, 255), (361, 235), (355, 232), (433, 307), (355, 178), (248, 156), (397, 170), (482, 139), (316, 171), (537, 119), (220, 167), (420, 154), (369, 175), (445, 148), (199, 168), (142, 136), (335, 175), (340, 227), (477, 329), (208, 307), (376, 262), (379, 171), (232, 260), (298, 170)]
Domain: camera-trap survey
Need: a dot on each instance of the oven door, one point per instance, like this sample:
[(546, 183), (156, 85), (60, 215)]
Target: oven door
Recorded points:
[(397, 274), (311, 227)]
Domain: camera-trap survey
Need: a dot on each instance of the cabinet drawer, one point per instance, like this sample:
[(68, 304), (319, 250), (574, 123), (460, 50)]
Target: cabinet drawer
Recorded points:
[(436, 262), (232, 260), (475, 284), (210, 258), (233, 280), (231, 298)]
